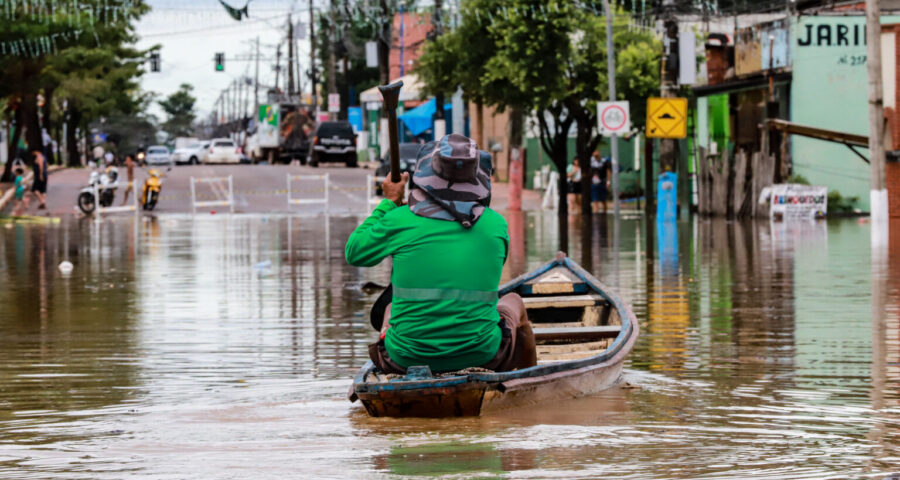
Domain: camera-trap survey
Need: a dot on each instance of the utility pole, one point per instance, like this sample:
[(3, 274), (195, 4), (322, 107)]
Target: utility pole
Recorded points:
[(440, 124), (297, 72), (234, 96), (611, 79), (277, 65), (256, 82), (290, 38), (247, 97), (878, 193), (312, 57), (231, 104), (242, 93), (667, 88), (332, 58)]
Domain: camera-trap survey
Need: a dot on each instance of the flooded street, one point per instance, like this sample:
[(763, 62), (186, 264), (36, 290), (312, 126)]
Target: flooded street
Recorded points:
[(221, 346)]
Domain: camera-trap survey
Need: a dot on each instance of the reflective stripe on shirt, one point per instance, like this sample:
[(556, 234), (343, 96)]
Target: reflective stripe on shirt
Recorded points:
[(445, 294)]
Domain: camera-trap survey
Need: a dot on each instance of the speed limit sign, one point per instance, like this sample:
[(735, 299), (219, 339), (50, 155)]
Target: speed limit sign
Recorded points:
[(613, 118)]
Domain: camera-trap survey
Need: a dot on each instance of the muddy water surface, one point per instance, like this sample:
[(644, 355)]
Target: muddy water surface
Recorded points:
[(223, 347)]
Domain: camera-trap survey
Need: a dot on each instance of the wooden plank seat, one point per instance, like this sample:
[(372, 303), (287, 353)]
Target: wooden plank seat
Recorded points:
[(584, 334), (563, 302)]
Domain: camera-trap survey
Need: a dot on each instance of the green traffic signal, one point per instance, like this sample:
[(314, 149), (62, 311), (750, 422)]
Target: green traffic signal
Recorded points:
[(220, 62)]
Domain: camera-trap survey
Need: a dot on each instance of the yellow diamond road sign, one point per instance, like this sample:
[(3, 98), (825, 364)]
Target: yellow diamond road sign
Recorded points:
[(667, 117)]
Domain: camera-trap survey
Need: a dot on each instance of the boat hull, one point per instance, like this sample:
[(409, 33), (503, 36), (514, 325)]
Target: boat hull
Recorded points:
[(419, 393), (480, 398)]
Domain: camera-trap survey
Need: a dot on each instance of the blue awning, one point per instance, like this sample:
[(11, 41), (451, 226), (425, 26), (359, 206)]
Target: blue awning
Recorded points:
[(420, 118)]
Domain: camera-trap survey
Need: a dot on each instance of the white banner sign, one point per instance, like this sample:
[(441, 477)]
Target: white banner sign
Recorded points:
[(794, 201), (687, 57), (334, 102), (613, 118), (371, 54)]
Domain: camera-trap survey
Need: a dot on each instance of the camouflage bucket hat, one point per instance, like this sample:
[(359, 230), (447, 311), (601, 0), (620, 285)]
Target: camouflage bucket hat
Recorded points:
[(452, 181)]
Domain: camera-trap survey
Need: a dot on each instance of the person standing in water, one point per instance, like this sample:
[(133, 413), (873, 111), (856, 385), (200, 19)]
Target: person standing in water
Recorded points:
[(39, 184), (129, 168)]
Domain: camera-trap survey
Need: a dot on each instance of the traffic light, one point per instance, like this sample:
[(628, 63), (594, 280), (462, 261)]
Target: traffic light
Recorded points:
[(154, 62), (220, 62)]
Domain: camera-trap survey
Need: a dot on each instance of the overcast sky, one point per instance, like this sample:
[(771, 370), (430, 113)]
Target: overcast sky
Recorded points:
[(191, 32)]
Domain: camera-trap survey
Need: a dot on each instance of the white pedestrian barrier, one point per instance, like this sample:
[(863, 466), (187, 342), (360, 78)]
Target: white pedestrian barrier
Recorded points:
[(291, 200), (224, 198), (99, 210), (371, 183), (372, 198)]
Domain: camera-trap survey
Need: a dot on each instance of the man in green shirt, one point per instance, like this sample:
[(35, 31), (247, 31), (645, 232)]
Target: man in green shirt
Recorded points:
[(448, 248)]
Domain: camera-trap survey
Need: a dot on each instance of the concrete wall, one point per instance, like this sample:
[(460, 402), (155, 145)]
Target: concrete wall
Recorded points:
[(829, 91)]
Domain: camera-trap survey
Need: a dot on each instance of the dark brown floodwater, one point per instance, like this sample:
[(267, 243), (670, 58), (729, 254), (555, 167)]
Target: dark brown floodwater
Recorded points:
[(223, 347)]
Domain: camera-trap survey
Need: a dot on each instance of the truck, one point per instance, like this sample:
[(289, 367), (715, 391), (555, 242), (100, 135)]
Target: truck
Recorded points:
[(282, 133), (185, 142)]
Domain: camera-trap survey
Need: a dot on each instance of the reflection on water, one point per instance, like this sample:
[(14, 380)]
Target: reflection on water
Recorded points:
[(223, 346)]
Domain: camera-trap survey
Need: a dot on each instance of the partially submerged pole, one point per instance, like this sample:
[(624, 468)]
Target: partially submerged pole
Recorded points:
[(878, 203), (611, 77)]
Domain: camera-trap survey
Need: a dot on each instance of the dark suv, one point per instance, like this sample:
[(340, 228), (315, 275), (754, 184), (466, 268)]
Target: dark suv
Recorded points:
[(334, 142)]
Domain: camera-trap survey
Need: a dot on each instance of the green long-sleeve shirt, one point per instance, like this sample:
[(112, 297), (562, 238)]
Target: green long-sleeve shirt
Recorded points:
[(445, 279)]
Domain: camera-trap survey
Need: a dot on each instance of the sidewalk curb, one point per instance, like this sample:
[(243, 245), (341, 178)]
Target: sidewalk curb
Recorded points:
[(5, 198)]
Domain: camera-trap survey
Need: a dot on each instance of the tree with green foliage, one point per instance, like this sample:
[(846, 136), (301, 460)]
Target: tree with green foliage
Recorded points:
[(637, 77), (547, 58), (343, 30), (77, 57), (458, 59), (179, 106)]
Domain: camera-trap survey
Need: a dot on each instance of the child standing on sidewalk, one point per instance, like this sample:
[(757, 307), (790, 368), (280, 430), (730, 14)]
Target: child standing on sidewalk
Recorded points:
[(21, 202)]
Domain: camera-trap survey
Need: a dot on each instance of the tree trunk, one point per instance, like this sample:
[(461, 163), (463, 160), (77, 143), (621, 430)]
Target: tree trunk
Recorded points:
[(516, 127), (582, 150), (562, 211), (12, 148), (46, 123), (32, 125), (72, 120)]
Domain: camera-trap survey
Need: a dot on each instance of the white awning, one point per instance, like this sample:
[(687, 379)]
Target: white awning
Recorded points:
[(412, 90)]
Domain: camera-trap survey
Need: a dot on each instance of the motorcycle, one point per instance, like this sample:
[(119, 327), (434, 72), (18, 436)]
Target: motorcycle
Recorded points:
[(151, 189), (104, 184)]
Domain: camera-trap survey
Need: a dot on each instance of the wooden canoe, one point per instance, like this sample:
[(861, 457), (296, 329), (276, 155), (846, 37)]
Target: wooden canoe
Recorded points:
[(583, 330)]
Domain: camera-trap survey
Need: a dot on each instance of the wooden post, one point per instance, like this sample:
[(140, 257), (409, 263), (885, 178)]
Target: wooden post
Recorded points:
[(740, 175), (312, 59), (702, 182)]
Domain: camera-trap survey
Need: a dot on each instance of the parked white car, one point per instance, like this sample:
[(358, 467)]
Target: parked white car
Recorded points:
[(193, 153), (158, 155), (222, 150)]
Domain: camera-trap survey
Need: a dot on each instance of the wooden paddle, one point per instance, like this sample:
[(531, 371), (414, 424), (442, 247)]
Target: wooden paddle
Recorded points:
[(391, 95)]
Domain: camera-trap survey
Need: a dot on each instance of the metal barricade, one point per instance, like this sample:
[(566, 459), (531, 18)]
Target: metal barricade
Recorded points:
[(372, 198), (307, 201), (98, 210), (371, 183), (227, 201)]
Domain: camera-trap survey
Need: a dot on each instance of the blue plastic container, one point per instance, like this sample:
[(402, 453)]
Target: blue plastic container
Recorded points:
[(667, 197)]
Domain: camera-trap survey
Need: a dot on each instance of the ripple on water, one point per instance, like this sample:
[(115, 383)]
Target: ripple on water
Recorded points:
[(169, 354)]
